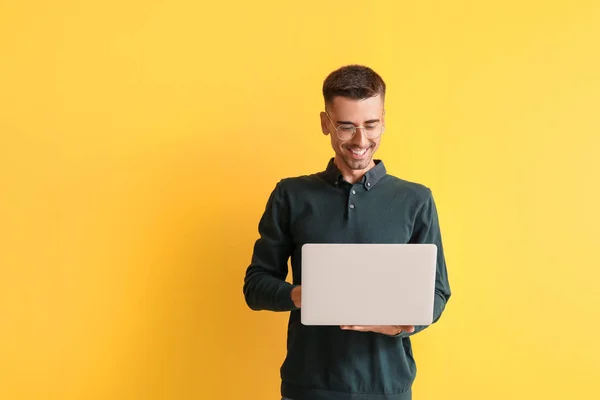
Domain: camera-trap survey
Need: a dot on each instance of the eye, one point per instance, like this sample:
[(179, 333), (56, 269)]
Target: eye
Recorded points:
[(370, 127), (346, 128)]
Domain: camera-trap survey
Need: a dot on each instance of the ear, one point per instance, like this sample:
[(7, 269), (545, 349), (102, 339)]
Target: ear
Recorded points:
[(383, 121), (324, 125)]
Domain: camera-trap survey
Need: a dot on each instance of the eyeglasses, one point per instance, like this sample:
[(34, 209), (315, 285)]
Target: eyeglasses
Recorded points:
[(347, 131)]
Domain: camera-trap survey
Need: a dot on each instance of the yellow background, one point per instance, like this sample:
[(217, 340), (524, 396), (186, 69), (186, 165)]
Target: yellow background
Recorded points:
[(140, 140)]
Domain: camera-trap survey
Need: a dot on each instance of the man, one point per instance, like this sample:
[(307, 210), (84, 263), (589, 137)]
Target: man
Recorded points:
[(353, 200)]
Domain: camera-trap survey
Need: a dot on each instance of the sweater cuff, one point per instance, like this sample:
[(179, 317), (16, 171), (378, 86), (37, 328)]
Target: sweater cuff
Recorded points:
[(284, 297)]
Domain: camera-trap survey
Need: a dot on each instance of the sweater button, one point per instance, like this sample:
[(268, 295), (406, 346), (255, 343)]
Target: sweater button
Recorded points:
[(351, 205)]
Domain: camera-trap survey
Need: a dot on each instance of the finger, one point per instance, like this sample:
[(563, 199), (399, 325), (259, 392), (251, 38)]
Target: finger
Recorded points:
[(362, 328), (408, 328), (353, 327)]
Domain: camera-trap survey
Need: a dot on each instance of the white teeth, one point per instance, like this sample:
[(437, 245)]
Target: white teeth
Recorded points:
[(359, 152)]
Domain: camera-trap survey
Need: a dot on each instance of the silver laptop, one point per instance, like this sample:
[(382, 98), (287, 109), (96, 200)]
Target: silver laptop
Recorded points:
[(368, 284)]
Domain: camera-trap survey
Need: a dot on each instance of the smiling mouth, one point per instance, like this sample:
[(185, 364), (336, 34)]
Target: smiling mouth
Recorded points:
[(358, 153)]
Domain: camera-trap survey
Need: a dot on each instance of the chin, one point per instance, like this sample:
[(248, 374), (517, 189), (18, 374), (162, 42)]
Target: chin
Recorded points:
[(358, 164)]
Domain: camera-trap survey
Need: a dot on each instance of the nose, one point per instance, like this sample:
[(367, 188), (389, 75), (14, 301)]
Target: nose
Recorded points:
[(360, 138)]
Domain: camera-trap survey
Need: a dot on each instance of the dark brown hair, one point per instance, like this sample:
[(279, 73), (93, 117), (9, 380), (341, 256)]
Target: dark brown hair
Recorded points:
[(354, 82)]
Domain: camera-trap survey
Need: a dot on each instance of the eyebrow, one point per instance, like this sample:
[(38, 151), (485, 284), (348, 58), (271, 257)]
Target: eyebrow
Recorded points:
[(351, 123)]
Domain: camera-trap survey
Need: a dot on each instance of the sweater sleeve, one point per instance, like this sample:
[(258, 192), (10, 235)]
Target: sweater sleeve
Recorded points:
[(427, 230), (264, 286)]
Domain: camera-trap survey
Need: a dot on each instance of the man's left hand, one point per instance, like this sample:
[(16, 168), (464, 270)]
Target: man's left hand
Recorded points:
[(390, 330)]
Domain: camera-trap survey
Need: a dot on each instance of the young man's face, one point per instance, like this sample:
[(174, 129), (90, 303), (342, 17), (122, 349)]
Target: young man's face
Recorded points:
[(357, 152)]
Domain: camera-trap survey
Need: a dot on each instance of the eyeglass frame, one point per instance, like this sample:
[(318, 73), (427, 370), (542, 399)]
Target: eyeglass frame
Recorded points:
[(355, 128)]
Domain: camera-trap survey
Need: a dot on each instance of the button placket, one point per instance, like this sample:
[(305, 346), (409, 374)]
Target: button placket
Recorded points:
[(351, 204)]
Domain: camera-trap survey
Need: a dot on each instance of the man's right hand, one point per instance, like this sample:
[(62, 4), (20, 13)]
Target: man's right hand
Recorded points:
[(297, 295)]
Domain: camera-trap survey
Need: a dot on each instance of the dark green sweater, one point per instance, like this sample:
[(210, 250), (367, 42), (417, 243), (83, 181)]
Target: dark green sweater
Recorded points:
[(326, 362)]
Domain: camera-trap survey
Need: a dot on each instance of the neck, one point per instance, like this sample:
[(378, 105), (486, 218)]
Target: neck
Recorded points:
[(351, 175)]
